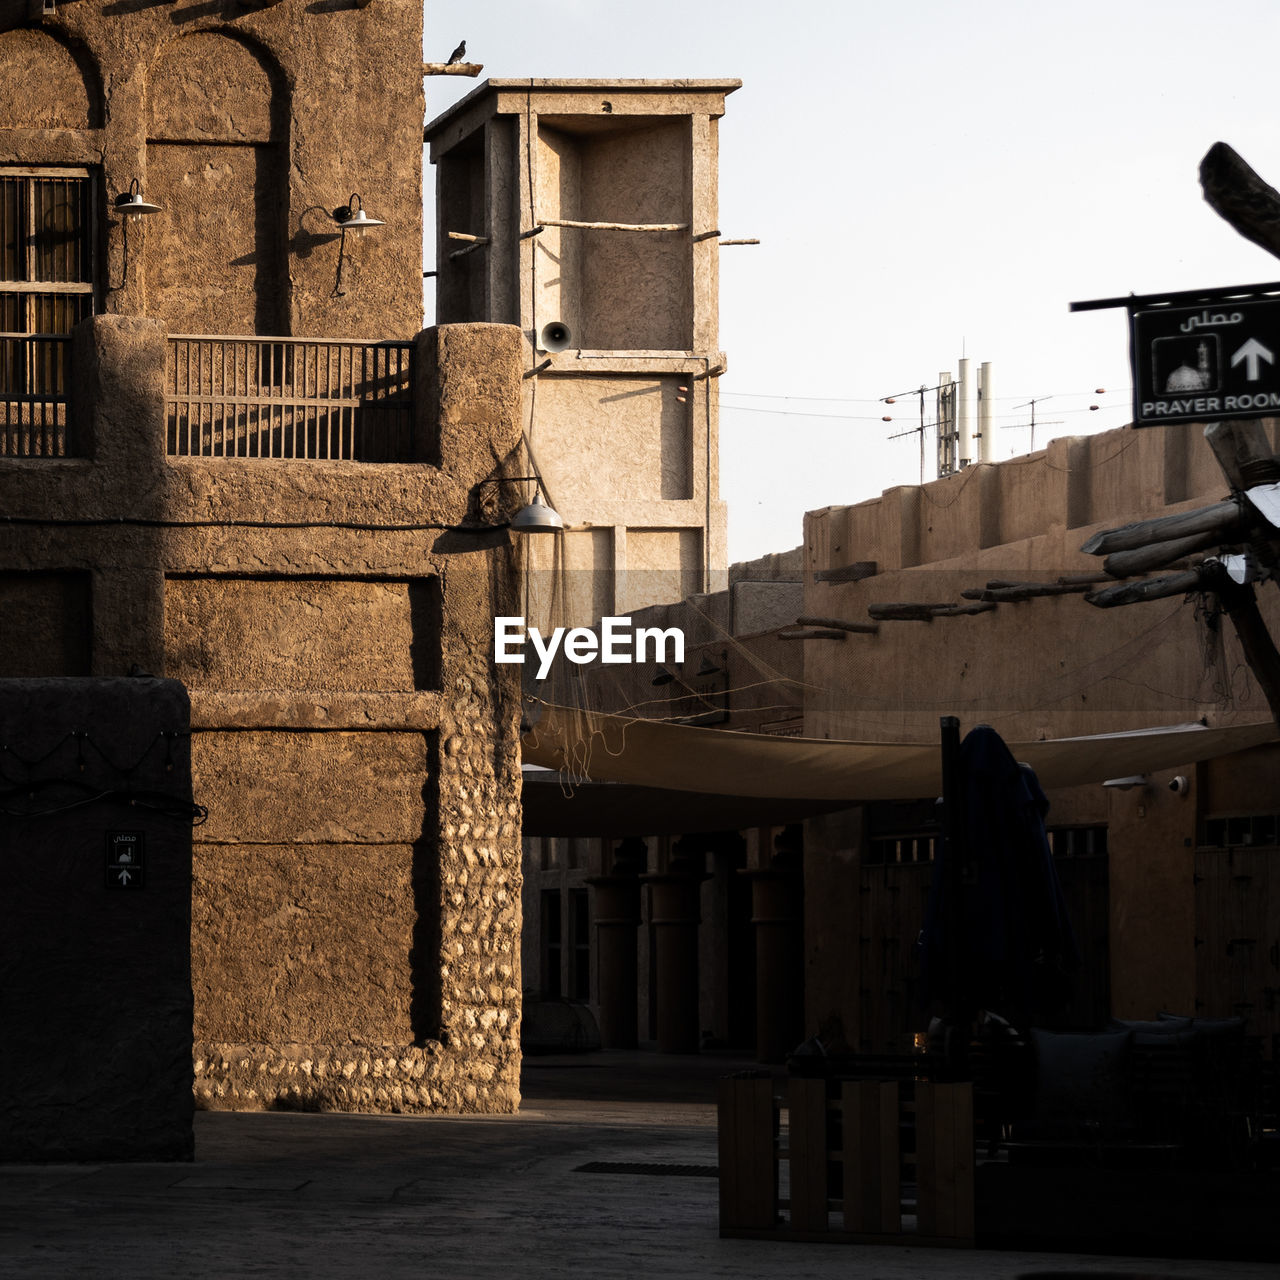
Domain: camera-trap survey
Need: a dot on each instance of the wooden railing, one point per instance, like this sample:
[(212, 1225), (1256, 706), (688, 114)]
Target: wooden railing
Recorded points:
[(835, 1171), (35, 373), (318, 399)]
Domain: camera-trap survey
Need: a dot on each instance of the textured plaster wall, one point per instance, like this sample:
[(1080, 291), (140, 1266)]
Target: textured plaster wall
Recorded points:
[(355, 895), (624, 423), (249, 127), (1050, 667), (46, 624)]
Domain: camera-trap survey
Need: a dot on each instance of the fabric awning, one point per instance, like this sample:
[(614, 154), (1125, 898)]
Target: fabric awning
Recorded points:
[(599, 747), (611, 810)]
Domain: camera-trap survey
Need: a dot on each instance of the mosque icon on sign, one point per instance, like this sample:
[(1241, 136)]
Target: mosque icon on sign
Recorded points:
[(1180, 365)]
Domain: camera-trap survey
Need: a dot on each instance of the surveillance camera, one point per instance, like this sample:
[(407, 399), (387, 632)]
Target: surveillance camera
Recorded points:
[(1179, 785)]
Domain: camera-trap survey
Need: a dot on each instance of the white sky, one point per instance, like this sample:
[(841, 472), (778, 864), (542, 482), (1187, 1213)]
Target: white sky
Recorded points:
[(928, 179)]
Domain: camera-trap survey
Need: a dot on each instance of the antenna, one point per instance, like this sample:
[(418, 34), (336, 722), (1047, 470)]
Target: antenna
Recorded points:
[(944, 383), (1031, 448)]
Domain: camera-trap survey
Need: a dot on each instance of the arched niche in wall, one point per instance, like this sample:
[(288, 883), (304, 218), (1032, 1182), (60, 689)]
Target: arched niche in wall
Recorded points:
[(217, 161), (49, 84)]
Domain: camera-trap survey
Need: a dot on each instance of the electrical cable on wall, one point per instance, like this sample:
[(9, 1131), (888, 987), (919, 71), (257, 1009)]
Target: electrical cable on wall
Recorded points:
[(83, 792)]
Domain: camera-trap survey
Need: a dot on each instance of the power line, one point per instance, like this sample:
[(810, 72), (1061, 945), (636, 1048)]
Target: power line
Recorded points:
[(862, 417), (768, 395)]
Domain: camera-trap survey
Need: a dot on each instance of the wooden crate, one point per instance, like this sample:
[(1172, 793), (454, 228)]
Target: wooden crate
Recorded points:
[(856, 1139)]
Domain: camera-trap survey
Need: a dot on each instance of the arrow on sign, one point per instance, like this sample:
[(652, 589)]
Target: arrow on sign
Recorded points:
[(1251, 353), (123, 876)]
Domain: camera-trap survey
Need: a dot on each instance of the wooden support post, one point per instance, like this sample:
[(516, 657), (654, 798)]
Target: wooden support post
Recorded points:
[(807, 1145), (872, 1158), (1241, 605), (944, 1161), (748, 1132)]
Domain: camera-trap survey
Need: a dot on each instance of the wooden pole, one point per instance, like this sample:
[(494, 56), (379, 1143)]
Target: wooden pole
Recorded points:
[(452, 68), (1220, 518), (1235, 192), (614, 226), (1178, 584), (869, 628), (1159, 555), (1240, 602), (815, 633)]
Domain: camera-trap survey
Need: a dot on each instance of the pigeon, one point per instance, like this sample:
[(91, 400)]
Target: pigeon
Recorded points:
[(458, 54)]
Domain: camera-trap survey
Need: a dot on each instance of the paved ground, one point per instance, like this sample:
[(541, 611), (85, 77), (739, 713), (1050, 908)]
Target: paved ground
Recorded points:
[(381, 1196)]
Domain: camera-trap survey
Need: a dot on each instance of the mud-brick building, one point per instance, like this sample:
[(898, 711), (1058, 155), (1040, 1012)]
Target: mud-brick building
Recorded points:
[(586, 212), (228, 456), (1168, 871), (963, 597)]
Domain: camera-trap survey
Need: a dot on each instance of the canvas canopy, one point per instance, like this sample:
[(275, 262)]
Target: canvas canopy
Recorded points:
[(599, 747)]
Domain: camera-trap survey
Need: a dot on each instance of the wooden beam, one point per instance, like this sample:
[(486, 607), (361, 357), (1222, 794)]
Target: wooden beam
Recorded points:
[(902, 611), (868, 628), (1158, 555), (1236, 192), (1222, 517), (814, 633), (452, 68), (1178, 584), (613, 226), (1002, 592), (909, 611), (961, 610)]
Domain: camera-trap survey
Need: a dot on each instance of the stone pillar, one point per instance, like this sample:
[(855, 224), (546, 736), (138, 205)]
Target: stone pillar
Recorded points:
[(617, 915), (776, 913), (676, 916)]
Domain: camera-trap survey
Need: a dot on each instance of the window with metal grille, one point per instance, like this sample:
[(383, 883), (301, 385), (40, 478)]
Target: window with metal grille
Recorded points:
[(580, 941), (46, 274), (552, 946)]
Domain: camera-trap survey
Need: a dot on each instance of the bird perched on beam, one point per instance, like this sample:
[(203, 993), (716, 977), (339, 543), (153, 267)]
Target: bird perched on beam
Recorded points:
[(458, 54)]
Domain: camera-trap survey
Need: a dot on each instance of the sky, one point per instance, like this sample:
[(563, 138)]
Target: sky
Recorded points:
[(928, 180)]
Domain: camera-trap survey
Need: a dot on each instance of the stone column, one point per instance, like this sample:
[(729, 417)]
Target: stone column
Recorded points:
[(617, 915), (676, 916), (776, 913)]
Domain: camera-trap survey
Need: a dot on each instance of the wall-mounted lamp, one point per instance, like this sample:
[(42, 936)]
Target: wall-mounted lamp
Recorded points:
[(1128, 782), (132, 207), (536, 516), (351, 217)]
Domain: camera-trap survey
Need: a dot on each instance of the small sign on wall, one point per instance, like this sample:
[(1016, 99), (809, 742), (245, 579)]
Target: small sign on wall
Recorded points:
[(126, 859)]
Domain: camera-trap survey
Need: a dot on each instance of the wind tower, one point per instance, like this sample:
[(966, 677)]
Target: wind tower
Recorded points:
[(585, 212)]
